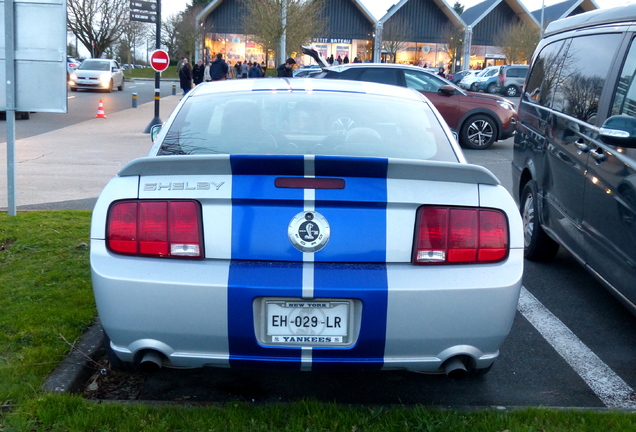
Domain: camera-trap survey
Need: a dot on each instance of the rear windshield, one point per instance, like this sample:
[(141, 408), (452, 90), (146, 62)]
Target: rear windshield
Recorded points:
[(307, 123)]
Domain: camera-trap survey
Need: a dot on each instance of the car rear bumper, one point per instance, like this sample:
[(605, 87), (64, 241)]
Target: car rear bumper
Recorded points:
[(207, 313)]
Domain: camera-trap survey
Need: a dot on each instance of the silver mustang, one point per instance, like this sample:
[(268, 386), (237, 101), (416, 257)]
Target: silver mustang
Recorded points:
[(307, 224)]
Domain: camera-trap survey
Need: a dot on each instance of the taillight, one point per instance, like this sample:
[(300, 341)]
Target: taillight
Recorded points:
[(460, 235), (168, 229)]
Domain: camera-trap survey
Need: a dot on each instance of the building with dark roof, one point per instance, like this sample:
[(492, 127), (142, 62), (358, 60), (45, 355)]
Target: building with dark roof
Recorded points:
[(349, 31), (562, 10), (485, 20)]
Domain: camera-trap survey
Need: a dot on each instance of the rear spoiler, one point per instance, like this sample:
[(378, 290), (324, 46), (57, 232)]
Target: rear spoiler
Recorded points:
[(326, 166)]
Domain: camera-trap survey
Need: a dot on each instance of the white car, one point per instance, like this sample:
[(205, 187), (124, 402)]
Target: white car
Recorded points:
[(308, 224), (470, 82), (97, 74)]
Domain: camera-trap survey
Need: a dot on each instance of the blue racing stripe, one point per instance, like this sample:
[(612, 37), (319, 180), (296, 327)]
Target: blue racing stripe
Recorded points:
[(360, 214), (260, 216), (247, 281), (369, 283)]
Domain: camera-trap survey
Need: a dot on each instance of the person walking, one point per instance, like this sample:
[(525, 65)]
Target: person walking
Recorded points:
[(218, 68), (185, 76), (244, 69), (206, 73), (198, 72), (285, 70), (255, 71)]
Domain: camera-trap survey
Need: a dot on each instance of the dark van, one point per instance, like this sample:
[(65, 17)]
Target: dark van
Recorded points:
[(574, 161)]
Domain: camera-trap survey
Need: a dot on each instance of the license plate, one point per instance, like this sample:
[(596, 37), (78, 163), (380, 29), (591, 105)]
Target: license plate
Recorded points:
[(307, 322)]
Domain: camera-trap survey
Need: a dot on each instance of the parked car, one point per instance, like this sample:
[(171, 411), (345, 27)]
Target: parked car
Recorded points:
[(71, 65), (97, 74), (306, 224), (488, 85), (456, 77), (511, 78), (306, 71), (474, 83), (574, 158), (479, 120)]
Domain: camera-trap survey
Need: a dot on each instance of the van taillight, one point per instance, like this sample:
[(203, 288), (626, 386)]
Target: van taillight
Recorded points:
[(167, 229), (460, 235)]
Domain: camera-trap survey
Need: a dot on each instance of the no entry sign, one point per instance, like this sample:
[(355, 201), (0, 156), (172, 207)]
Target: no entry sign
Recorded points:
[(159, 60)]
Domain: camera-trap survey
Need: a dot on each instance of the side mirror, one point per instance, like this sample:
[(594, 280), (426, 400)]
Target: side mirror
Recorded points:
[(154, 132), (619, 130), (447, 90)]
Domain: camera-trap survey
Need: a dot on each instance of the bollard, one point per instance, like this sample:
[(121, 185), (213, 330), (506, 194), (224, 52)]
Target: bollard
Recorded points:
[(134, 100), (174, 89)]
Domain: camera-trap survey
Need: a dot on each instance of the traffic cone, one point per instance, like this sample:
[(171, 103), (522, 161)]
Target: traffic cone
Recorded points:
[(100, 110)]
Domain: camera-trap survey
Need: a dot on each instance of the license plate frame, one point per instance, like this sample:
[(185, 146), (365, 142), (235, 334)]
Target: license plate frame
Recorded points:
[(300, 322)]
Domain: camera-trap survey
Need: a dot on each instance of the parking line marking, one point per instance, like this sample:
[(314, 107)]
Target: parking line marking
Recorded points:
[(604, 382)]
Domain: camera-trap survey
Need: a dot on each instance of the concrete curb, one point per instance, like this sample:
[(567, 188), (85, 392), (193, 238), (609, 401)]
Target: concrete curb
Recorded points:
[(75, 370)]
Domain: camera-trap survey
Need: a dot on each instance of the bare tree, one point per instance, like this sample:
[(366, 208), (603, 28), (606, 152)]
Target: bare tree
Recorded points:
[(134, 32), (454, 47), (517, 42), (97, 24), (169, 33), (187, 32), (263, 21), (395, 34)]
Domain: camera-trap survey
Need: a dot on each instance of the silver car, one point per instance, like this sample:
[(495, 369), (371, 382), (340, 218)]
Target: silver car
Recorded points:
[(307, 224), (97, 74)]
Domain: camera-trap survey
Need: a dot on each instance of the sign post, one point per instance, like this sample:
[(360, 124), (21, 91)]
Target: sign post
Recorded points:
[(150, 11), (159, 60)]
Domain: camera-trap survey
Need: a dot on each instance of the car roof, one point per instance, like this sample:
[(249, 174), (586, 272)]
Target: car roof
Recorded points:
[(620, 14), (376, 65), (310, 84)]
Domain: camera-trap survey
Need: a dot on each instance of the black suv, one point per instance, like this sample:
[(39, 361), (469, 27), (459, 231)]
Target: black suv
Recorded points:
[(574, 157)]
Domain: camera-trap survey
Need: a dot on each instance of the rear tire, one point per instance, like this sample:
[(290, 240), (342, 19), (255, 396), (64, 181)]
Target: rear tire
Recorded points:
[(511, 91), (538, 246)]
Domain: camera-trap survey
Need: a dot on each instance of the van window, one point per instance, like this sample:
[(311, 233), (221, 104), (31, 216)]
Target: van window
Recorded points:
[(545, 74), (625, 99), (584, 71)]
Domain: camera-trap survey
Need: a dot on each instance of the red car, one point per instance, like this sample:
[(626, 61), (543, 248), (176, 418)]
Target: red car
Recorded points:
[(478, 119)]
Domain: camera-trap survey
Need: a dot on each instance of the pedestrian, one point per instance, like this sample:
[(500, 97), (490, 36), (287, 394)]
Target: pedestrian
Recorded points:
[(441, 72), (198, 72), (244, 69), (346, 59), (206, 72), (255, 71), (218, 69), (237, 70), (185, 76), (285, 70), (230, 70)]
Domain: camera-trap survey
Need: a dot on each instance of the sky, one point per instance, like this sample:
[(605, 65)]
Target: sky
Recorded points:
[(379, 7)]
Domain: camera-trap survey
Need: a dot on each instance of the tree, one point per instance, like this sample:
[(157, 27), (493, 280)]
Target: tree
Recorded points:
[(187, 32), (459, 8), (517, 42), (97, 24), (395, 34), (454, 48), (134, 32), (263, 20), (169, 33)]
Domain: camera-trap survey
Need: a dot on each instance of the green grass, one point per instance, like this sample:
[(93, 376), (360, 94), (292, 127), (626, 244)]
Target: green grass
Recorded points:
[(170, 73), (46, 303)]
